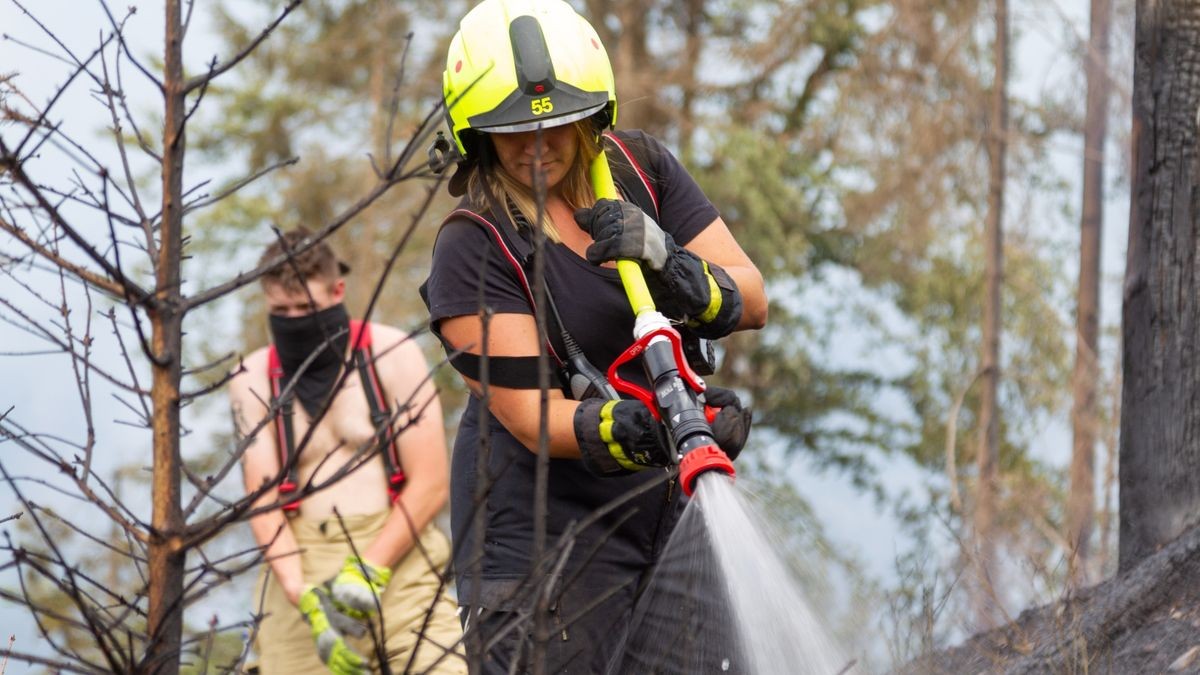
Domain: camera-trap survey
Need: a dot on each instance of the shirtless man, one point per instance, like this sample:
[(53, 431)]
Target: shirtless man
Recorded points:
[(364, 540)]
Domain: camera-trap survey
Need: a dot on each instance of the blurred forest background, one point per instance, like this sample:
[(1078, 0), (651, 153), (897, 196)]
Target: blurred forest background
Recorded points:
[(852, 146)]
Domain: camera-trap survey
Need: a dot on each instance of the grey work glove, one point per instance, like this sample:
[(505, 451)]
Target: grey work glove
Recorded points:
[(329, 628), (684, 286), (621, 230)]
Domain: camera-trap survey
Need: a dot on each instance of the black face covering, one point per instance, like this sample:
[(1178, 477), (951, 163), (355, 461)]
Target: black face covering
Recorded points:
[(327, 333)]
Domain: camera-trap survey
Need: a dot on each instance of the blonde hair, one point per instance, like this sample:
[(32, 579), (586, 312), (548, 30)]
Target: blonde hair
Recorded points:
[(575, 188)]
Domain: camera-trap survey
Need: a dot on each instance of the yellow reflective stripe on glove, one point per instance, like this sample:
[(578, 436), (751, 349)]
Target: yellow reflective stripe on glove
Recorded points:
[(606, 435), (714, 297), (618, 437), (332, 649), (357, 587)]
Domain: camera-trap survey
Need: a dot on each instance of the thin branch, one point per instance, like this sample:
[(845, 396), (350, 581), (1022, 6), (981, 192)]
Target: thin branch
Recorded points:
[(137, 386), (394, 107), (117, 28), (238, 185), (80, 67), (245, 278), (99, 282), (952, 440), (69, 585), (46, 335), (216, 71), (17, 171), (133, 198)]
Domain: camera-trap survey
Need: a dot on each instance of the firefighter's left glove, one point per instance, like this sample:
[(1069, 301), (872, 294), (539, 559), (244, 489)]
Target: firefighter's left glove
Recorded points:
[(684, 286), (329, 628), (618, 437), (731, 422), (358, 586)]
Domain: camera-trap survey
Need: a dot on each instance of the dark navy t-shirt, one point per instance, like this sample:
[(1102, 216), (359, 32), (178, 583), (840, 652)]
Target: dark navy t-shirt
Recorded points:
[(595, 311)]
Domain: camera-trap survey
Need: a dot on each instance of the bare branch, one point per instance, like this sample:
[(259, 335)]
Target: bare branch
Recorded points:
[(952, 440), (97, 281), (133, 198), (34, 328), (394, 107), (129, 289), (69, 583), (217, 70), (117, 29), (80, 67), (238, 185)]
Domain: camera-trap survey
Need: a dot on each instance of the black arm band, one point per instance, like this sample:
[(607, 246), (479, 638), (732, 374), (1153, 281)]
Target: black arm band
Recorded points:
[(513, 372)]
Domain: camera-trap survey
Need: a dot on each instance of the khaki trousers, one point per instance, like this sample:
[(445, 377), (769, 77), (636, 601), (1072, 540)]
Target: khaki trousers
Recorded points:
[(284, 642)]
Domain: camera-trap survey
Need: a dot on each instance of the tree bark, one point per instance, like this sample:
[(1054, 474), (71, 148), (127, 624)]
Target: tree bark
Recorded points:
[(989, 427), (1081, 503), (693, 30), (166, 558), (1160, 415)]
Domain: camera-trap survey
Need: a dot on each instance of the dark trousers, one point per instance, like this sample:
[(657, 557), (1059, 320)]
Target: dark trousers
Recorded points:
[(676, 622), (582, 632)]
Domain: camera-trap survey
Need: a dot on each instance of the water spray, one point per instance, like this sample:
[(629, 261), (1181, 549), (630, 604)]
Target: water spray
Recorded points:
[(776, 629), (676, 399)]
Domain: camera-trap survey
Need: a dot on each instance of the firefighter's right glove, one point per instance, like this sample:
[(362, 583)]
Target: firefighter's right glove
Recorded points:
[(618, 437), (357, 587), (731, 425), (329, 628)]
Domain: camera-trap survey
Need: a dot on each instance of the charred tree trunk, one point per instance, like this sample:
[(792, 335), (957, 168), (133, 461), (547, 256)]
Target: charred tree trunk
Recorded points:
[(635, 69), (1081, 506), (1160, 418), (693, 30), (988, 455), (166, 563)]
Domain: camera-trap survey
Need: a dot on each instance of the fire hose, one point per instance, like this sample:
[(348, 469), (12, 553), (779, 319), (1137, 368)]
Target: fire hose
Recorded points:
[(676, 390)]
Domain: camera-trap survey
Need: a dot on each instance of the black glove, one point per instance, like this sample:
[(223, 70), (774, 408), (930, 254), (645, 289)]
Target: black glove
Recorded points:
[(618, 437), (684, 287), (731, 426), (622, 230)]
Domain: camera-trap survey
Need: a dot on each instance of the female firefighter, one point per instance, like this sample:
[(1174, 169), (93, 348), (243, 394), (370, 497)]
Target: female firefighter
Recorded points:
[(530, 98)]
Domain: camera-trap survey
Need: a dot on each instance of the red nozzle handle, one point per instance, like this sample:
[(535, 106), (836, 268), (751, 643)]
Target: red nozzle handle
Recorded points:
[(686, 373), (703, 458)]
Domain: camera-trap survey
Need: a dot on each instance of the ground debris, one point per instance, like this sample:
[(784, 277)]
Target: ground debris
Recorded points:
[(1139, 622)]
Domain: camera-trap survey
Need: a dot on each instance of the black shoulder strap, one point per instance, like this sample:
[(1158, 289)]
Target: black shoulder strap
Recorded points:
[(631, 179), (518, 253), (513, 372)]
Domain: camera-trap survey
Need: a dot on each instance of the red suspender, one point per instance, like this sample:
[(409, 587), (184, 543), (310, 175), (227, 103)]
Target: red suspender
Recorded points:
[(381, 418)]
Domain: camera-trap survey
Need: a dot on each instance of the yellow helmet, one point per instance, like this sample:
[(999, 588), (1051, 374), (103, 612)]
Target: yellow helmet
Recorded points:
[(518, 64)]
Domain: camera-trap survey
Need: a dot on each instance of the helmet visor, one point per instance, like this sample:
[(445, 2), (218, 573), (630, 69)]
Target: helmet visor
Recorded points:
[(545, 123)]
